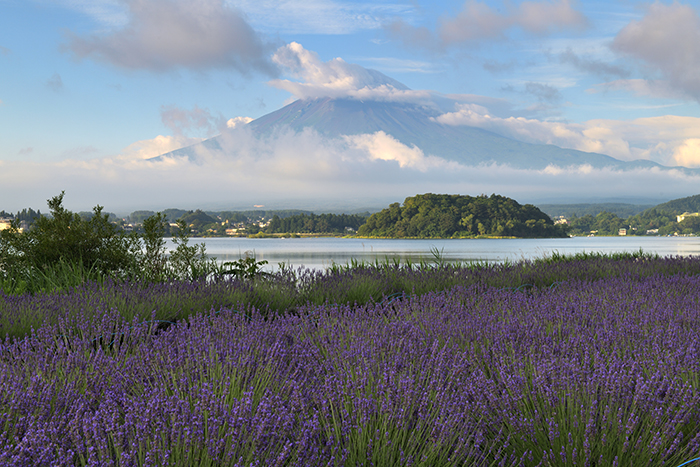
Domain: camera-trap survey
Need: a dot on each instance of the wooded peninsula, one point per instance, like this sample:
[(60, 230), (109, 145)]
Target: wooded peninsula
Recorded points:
[(457, 216)]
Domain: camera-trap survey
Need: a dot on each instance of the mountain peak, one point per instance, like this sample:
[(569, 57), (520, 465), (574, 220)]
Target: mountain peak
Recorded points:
[(415, 125)]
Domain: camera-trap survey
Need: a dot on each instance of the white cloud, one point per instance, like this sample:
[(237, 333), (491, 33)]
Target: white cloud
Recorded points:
[(654, 138), (163, 35), (337, 79), (667, 40), (478, 22), (300, 170), (380, 146), (688, 153), (238, 122), (149, 148)]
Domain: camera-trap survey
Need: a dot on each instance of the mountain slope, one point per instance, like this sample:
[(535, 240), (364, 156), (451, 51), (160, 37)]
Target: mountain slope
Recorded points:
[(414, 125), (679, 206)]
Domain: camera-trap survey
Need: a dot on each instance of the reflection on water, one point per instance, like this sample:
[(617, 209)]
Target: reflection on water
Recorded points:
[(320, 253)]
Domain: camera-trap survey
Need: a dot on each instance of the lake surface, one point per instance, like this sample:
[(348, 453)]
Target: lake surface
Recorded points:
[(320, 253)]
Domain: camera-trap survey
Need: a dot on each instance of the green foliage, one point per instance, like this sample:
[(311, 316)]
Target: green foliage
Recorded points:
[(606, 223), (661, 217), (137, 217), (151, 255), (446, 216), (60, 241), (622, 210), (188, 261), (312, 223), (27, 215), (197, 219), (690, 225), (67, 249), (244, 268), (679, 206), (557, 257), (172, 215)]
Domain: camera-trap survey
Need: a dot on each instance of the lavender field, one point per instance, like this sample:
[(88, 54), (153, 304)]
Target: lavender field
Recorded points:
[(588, 360)]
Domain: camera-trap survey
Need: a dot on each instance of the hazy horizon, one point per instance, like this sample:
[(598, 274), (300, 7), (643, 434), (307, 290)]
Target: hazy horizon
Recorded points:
[(91, 91)]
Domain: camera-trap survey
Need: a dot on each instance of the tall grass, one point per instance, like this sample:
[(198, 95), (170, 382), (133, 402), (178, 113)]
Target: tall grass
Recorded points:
[(54, 277)]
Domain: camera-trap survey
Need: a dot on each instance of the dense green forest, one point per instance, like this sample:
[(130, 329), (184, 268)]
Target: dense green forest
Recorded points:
[(172, 215), (681, 205), (28, 215), (445, 216), (213, 223), (259, 221), (659, 220), (623, 210), (312, 223)]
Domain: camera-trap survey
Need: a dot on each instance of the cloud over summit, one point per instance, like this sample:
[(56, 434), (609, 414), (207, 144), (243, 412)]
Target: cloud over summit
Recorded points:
[(336, 78)]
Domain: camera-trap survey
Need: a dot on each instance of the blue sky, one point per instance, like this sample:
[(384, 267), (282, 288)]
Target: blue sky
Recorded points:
[(90, 89)]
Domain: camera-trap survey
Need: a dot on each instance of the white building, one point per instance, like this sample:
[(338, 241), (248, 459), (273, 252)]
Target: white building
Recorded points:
[(5, 223), (686, 214)]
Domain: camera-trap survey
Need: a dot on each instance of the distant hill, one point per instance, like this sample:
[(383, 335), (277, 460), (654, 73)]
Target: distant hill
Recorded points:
[(679, 206), (450, 216), (623, 210)]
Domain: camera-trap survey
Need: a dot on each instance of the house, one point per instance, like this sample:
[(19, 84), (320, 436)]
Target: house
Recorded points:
[(686, 214), (5, 223), (622, 232)]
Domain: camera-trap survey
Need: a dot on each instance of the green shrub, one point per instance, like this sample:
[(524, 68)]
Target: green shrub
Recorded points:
[(64, 244), (64, 250)]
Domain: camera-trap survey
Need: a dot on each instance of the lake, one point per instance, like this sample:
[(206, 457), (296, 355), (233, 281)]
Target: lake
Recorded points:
[(320, 253)]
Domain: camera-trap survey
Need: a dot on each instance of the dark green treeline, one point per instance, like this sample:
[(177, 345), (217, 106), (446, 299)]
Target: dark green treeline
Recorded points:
[(312, 223), (445, 216)]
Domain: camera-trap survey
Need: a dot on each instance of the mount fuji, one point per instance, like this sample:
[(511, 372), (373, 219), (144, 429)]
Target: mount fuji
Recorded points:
[(415, 126)]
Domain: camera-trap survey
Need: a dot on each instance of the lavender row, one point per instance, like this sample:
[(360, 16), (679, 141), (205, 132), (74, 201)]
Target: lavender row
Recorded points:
[(591, 373), (285, 291)]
